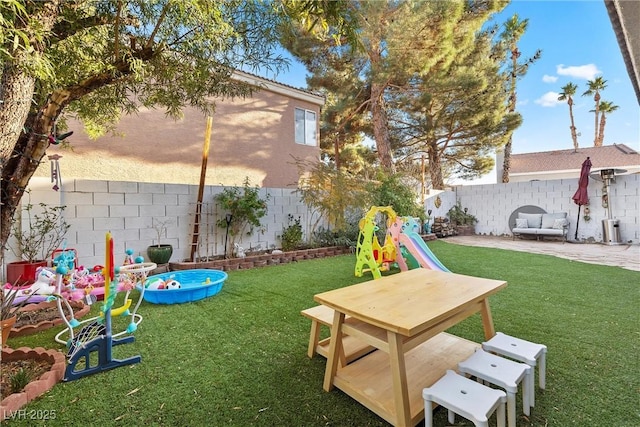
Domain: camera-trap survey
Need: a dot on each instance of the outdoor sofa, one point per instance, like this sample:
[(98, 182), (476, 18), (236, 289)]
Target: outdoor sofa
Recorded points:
[(534, 221)]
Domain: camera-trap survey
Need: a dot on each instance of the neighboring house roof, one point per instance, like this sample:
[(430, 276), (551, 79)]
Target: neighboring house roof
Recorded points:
[(281, 88), (607, 156), (625, 16)]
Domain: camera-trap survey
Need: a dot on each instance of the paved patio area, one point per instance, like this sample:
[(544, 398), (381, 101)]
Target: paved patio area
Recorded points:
[(625, 256)]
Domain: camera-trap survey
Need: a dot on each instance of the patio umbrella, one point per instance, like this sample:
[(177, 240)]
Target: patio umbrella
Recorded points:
[(581, 197)]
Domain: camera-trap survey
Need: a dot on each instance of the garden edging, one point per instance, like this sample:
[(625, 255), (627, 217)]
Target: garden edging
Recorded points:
[(12, 403)]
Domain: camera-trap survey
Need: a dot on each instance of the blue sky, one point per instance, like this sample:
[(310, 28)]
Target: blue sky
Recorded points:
[(578, 44)]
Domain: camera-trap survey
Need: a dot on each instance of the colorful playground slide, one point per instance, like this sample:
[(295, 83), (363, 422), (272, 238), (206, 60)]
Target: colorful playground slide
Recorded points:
[(420, 251), (403, 245)]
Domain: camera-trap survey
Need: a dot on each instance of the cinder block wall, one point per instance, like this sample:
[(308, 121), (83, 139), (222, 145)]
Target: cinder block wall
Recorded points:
[(127, 210), (492, 204)]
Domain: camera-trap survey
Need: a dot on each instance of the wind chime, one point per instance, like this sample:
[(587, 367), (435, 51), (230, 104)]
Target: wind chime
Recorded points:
[(56, 178)]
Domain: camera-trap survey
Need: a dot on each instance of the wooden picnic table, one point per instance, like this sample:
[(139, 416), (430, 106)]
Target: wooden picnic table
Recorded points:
[(404, 316)]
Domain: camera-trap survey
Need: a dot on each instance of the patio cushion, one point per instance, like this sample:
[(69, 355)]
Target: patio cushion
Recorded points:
[(533, 220), (550, 232), (559, 223), (522, 223), (549, 218), (526, 230)]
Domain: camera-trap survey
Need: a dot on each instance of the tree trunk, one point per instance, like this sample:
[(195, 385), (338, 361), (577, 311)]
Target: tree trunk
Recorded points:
[(574, 134), (24, 138), (435, 166), (596, 98), (600, 140), (506, 165), (380, 127)]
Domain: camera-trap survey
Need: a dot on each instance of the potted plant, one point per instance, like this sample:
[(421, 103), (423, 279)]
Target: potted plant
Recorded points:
[(462, 218), (160, 253), (8, 309), (37, 233)]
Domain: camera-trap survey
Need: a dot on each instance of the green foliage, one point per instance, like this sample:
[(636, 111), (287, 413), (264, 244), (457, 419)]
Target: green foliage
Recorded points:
[(324, 237), (333, 194), (19, 380), (38, 232), (8, 306), (390, 190), (245, 206), (292, 234), (400, 44), (460, 215)]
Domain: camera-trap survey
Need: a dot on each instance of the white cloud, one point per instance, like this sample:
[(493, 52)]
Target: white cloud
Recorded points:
[(549, 99), (587, 72), (549, 79)]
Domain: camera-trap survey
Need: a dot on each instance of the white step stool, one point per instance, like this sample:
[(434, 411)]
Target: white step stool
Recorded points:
[(503, 373), (522, 351), (464, 397)]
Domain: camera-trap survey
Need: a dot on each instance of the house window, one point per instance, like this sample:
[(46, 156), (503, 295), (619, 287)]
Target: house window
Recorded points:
[(305, 127)]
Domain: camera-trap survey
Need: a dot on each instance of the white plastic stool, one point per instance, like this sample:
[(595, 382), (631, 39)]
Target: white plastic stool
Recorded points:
[(504, 373), (464, 397), (522, 351)]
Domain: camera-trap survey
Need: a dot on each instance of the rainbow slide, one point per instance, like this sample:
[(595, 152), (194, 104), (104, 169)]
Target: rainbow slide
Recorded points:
[(420, 251)]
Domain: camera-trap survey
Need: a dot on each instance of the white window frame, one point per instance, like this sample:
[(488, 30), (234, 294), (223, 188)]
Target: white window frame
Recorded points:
[(306, 127)]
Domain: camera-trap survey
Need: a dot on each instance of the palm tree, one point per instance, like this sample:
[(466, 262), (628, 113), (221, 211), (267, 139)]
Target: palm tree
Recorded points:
[(514, 28), (595, 86), (606, 107), (568, 91)]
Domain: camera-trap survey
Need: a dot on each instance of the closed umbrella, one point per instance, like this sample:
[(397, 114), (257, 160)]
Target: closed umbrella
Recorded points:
[(581, 197)]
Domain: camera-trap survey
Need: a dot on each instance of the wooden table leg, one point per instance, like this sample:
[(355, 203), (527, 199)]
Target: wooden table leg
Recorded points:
[(399, 380), (335, 350), (314, 337), (487, 320)]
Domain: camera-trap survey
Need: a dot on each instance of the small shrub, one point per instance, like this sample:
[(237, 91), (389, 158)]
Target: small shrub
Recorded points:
[(324, 237), (43, 232), (461, 216), (292, 234), (245, 207), (19, 380)]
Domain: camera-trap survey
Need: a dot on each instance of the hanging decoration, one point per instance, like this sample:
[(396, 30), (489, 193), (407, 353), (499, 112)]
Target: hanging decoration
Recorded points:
[(438, 202), (57, 139), (56, 178)]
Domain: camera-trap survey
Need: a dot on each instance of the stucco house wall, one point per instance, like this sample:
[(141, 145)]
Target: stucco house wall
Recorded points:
[(252, 137)]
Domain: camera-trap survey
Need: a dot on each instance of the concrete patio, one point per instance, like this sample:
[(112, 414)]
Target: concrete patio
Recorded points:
[(624, 256)]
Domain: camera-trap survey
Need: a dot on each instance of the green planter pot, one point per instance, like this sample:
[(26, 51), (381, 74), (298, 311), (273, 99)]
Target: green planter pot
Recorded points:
[(159, 254)]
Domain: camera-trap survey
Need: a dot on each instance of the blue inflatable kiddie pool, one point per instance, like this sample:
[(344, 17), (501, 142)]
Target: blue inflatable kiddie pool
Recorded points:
[(194, 286)]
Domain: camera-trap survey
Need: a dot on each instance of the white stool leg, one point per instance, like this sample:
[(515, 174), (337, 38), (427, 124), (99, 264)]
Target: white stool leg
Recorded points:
[(532, 387), (511, 409), (543, 369), (500, 414), (428, 413), (526, 390), (451, 416)]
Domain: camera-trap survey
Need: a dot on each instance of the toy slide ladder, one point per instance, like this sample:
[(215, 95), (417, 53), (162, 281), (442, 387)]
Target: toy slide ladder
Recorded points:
[(203, 175)]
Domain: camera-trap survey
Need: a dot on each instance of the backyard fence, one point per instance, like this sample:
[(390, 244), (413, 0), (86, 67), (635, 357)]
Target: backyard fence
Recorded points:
[(127, 209)]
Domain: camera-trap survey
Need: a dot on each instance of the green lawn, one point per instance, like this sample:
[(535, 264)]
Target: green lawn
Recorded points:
[(239, 358)]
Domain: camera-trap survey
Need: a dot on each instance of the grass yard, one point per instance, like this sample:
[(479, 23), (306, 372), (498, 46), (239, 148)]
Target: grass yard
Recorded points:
[(239, 358)]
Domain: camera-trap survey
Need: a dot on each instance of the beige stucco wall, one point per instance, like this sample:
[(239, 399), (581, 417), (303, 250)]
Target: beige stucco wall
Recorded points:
[(251, 137)]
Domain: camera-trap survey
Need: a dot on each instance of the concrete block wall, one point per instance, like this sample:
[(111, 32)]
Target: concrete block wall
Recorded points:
[(492, 204), (128, 210)]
